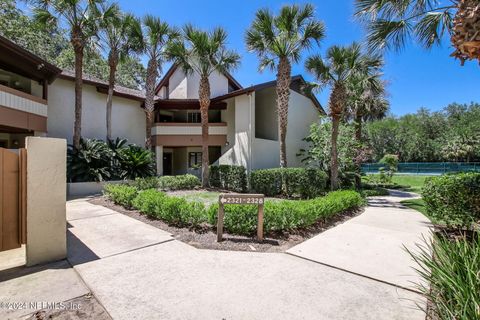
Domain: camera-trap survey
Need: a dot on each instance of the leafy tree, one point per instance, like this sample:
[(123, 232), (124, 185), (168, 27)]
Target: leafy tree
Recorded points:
[(203, 53), (78, 17), (318, 153), (339, 67), (366, 102), (24, 31), (449, 134), (116, 40), (279, 41), (390, 23), (152, 36)]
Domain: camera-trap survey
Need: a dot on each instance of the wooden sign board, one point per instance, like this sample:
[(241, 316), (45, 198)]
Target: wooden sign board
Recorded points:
[(241, 199)]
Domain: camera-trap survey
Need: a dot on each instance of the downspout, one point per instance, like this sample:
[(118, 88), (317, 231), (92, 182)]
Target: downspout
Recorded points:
[(250, 140)]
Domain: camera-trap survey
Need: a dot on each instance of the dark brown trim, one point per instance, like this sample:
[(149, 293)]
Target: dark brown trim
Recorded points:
[(186, 104), (22, 94), (23, 120), (188, 140), (103, 87), (22, 61), (165, 79), (298, 79)]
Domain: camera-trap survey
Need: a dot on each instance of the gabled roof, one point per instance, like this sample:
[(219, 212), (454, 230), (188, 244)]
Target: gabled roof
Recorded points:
[(164, 81), (19, 60), (297, 84), (102, 86)]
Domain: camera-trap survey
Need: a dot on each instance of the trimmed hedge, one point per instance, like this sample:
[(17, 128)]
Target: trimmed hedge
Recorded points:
[(180, 182), (285, 215), (226, 177), (173, 210), (121, 194), (280, 215), (303, 182), (453, 199)]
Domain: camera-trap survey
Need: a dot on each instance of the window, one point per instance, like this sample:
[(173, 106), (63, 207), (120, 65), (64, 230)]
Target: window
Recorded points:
[(194, 159), (194, 117)]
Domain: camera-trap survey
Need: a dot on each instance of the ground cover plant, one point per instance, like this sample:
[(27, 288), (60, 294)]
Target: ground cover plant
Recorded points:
[(453, 282), (281, 215)]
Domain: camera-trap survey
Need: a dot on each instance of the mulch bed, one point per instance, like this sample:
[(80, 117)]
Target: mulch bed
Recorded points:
[(206, 238)]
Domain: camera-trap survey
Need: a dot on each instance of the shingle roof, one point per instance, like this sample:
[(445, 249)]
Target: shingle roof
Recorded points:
[(103, 85)]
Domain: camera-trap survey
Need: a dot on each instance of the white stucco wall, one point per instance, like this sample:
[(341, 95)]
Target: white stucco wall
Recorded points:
[(301, 114), (266, 114), (128, 119), (238, 154), (183, 86), (177, 87)]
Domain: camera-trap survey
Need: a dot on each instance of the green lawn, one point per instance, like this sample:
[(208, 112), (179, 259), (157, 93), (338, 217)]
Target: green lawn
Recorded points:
[(207, 197), (416, 204), (415, 182)]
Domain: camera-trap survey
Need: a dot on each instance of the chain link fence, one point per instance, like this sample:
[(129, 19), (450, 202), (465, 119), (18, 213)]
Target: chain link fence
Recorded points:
[(426, 167)]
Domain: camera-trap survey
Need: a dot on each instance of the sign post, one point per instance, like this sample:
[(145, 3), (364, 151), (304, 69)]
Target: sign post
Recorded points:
[(241, 199)]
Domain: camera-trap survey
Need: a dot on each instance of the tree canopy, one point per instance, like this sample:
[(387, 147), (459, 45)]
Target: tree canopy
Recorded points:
[(53, 46)]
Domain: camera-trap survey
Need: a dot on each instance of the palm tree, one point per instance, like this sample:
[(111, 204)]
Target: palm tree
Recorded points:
[(366, 101), (79, 16), (279, 41), (116, 39), (152, 36), (203, 53), (390, 23), (340, 66)]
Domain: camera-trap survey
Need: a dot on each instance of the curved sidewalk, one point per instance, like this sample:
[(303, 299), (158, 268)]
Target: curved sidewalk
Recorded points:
[(162, 278), (373, 244)]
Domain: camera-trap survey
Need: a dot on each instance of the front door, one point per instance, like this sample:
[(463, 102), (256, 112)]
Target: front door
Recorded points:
[(167, 164)]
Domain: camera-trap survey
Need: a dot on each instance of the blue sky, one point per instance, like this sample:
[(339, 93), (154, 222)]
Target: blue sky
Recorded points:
[(418, 78)]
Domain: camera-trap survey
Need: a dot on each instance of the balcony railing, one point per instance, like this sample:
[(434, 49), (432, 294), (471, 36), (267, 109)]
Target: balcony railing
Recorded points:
[(188, 134), (22, 101), (176, 128)]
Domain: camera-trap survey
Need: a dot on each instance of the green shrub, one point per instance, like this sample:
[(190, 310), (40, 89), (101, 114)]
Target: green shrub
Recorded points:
[(96, 160), (453, 199), (286, 215), (136, 162), (173, 210), (226, 177), (451, 277), (120, 194), (180, 182), (305, 183), (145, 183)]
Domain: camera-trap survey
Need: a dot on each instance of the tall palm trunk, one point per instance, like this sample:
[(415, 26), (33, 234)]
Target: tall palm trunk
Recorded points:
[(78, 47), (152, 73), (204, 97), (358, 138), (283, 96), (112, 62), (334, 153), (337, 100)]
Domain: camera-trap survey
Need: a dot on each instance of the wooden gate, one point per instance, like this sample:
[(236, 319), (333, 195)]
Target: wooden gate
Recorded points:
[(12, 198)]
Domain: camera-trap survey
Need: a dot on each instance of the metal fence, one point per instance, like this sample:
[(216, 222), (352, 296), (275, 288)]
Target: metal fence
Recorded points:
[(426, 167)]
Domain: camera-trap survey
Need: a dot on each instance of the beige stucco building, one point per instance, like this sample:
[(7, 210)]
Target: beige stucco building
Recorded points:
[(37, 99)]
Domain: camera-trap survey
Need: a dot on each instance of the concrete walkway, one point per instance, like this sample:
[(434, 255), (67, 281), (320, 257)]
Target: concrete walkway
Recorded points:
[(140, 272), (374, 243)]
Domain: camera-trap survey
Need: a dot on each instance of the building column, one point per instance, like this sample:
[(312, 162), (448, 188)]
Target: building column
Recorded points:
[(159, 158)]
